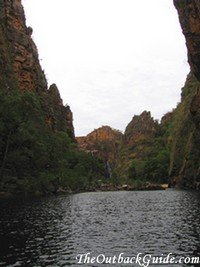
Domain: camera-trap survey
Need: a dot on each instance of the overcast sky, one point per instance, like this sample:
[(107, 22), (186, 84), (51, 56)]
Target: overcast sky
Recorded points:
[(111, 59)]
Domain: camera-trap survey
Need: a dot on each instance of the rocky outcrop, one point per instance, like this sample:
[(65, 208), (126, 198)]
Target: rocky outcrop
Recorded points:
[(140, 154), (103, 142), (185, 138), (61, 117), (143, 156), (20, 67), (185, 164), (141, 127), (19, 50), (189, 16)]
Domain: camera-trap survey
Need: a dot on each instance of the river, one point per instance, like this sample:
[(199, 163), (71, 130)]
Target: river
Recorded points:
[(52, 231)]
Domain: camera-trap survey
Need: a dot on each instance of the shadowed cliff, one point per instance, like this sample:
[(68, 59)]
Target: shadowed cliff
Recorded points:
[(185, 155), (137, 157), (38, 153), (20, 68)]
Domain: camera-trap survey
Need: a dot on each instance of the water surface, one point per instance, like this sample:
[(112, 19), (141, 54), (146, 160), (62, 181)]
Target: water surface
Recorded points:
[(52, 231)]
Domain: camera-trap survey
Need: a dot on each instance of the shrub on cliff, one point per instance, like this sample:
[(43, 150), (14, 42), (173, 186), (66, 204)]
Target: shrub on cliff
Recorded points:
[(33, 157)]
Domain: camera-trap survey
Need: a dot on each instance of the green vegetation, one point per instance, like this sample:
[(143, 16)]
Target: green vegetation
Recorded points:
[(145, 154), (185, 138), (33, 158), (172, 154), (152, 165), (36, 157)]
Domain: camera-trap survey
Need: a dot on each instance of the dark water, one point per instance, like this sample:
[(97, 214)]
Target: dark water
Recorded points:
[(52, 231)]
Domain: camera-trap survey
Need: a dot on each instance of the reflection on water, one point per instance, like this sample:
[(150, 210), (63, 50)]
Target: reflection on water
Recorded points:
[(52, 231)]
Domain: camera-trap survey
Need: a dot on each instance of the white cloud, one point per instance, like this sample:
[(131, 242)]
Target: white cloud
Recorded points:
[(111, 59)]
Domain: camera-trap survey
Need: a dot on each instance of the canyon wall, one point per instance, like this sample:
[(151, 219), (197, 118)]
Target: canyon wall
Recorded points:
[(139, 155), (185, 156), (103, 143), (38, 152), (20, 67), (34, 119)]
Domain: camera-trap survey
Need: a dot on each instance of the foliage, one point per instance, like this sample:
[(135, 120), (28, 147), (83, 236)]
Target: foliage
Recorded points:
[(32, 156), (146, 161), (183, 127)]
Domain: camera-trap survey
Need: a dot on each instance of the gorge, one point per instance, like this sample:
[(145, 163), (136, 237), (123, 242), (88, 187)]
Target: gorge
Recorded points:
[(39, 151), (181, 126), (66, 214)]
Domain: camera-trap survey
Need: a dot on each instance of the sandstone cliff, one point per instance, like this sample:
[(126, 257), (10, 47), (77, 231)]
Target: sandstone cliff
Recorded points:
[(144, 154), (37, 134), (139, 155), (185, 139), (38, 153), (141, 127), (185, 164), (189, 16), (103, 143), (20, 68)]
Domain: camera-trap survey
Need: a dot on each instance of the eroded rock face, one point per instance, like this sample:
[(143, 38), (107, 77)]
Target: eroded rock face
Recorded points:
[(141, 127), (20, 67), (188, 173), (144, 154), (189, 16), (21, 51), (61, 116), (185, 136), (103, 142)]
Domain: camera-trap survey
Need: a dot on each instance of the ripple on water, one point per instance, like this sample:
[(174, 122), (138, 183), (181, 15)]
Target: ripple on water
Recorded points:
[(52, 231)]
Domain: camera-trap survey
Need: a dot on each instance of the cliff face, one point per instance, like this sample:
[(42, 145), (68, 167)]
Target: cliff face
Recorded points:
[(186, 172), (189, 16), (139, 155), (185, 138), (37, 143), (143, 155), (61, 117), (19, 51), (20, 68), (103, 142), (33, 119), (141, 127)]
